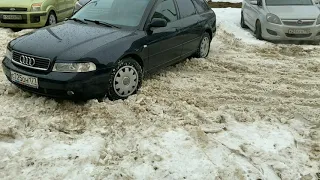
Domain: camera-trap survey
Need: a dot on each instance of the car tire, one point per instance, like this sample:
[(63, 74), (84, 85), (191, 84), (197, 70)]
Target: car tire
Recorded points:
[(52, 19), (242, 23), (258, 31), (125, 80), (204, 46)]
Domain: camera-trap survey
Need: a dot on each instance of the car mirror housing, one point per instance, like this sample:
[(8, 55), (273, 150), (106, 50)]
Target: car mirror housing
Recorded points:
[(158, 22), (254, 2)]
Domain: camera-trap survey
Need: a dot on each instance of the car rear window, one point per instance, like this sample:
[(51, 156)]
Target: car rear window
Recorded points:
[(186, 8)]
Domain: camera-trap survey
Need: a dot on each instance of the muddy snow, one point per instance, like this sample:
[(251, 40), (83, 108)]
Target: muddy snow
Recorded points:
[(249, 111)]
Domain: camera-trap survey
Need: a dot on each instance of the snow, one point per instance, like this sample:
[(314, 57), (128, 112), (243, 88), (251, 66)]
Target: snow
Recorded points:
[(249, 111)]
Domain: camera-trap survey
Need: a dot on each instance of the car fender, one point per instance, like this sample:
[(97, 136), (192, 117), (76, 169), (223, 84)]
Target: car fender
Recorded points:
[(50, 8), (120, 49), (262, 19)]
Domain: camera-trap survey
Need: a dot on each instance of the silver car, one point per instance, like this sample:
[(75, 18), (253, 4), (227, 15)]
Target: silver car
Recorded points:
[(282, 19), (79, 4)]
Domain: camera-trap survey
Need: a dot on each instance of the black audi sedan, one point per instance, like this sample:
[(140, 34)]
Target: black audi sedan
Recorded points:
[(105, 48)]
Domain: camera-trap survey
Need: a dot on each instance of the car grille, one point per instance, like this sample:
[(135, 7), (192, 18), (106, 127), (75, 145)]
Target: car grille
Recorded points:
[(13, 9), (297, 22), (40, 63), (298, 35)]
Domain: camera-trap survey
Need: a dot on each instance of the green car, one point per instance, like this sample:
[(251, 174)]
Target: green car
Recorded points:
[(34, 13)]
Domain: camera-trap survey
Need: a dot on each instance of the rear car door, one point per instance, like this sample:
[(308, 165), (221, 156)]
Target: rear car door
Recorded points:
[(191, 27), (164, 44)]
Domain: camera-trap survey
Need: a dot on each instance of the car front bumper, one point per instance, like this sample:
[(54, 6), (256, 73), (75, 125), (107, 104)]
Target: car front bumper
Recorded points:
[(60, 85), (29, 19), (281, 32)]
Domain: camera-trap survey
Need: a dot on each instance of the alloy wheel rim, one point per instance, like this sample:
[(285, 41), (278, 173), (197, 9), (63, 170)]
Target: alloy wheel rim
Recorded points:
[(204, 47), (125, 81), (52, 19)]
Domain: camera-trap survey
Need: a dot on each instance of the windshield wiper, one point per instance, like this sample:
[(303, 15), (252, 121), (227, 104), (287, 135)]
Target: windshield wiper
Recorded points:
[(102, 23), (78, 20)]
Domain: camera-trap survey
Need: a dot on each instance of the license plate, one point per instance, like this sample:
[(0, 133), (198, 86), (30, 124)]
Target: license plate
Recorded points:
[(299, 31), (24, 79), (12, 17)]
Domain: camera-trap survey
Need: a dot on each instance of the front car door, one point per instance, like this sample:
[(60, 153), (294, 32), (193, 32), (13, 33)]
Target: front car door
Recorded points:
[(164, 44), (191, 27), (65, 9)]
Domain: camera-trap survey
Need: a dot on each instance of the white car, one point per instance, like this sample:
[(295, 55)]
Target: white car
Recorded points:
[(282, 19)]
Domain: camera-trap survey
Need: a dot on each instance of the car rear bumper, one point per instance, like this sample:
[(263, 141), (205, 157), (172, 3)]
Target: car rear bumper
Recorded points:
[(29, 19), (60, 85), (281, 32)]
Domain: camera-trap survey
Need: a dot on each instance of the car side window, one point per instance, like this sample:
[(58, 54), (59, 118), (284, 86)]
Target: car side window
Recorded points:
[(166, 10), (200, 5), (186, 8)]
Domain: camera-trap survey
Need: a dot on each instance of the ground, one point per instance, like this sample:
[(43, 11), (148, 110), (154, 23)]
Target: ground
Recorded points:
[(248, 111)]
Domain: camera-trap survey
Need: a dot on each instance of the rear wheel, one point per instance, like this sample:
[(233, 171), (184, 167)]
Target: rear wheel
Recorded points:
[(125, 80), (52, 19), (204, 46), (242, 23), (258, 30)]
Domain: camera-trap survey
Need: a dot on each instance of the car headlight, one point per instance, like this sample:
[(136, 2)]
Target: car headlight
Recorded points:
[(8, 54), (74, 67), (36, 7), (271, 18), (318, 21)]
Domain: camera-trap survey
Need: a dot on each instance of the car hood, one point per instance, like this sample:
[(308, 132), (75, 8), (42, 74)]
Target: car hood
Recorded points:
[(18, 3), (295, 12), (67, 41)]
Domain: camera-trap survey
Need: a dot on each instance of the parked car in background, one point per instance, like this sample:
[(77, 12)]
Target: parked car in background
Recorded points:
[(79, 4), (33, 14), (106, 47), (282, 20)]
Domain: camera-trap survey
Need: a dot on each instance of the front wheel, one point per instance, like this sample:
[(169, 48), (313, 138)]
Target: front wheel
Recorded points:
[(204, 46), (52, 19), (125, 80)]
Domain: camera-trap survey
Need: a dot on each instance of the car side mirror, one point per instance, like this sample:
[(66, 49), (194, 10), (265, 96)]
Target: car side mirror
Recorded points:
[(158, 22), (254, 2)]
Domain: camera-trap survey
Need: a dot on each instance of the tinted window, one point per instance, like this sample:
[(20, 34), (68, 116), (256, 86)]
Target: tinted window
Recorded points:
[(114, 12), (166, 10), (200, 5), (186, 8)]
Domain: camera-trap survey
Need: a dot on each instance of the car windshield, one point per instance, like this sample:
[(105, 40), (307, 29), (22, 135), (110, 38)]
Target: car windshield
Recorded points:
[(127, 13), (288, 2)]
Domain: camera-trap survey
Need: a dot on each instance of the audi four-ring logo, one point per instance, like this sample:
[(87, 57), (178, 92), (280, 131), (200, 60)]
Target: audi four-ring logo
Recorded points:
[(25, 60)]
